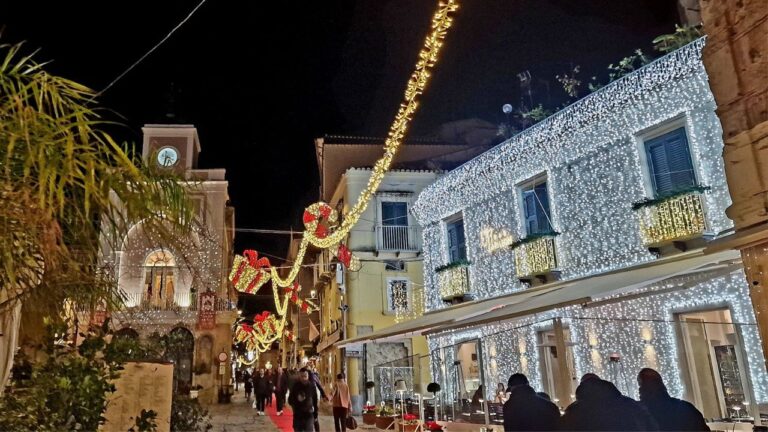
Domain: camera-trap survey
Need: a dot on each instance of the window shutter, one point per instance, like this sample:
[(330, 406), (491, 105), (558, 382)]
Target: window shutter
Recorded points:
[(531, 218), (670, 162), (542, 206)]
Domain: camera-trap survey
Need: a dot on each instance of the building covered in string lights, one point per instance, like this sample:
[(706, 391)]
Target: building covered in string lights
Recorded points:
[(182, 292), (578, 246)]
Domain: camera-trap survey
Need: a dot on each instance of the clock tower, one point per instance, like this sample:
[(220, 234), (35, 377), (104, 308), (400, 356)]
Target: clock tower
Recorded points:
[(171, 146)]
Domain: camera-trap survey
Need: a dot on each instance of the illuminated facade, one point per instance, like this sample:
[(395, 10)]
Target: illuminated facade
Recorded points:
[(169, 291), (601, 210)]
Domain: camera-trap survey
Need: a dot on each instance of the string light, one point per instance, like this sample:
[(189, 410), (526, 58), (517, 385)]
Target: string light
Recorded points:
[(678, 218), (320, 219), (454, 282), (590, 153), (535, 257)]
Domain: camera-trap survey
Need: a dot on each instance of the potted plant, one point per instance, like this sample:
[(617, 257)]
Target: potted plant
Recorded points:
[(410, 422), (433, 388), (369, 414), (194, 391), (386, 418)]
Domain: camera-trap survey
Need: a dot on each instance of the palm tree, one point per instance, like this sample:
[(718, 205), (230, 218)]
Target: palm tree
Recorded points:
[(67, 190)]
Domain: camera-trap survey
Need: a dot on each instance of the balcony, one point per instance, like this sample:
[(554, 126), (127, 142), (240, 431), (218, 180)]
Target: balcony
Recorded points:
[(535, 257), (453, 280), (671, 220), (183, 300), (396, 238)]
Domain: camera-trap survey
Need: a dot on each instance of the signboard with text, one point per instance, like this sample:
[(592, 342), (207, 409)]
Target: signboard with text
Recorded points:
[(206, 315)]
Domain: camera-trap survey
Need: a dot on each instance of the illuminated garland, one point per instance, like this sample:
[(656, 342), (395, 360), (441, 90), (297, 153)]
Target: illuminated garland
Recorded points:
[(320, 220)]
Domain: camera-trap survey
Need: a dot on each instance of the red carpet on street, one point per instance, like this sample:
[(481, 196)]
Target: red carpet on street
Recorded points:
[(283, 422)]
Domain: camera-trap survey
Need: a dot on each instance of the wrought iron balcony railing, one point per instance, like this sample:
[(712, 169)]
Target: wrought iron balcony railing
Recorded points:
[(182, 300), (535, 257), (396, 238), (672, 219)]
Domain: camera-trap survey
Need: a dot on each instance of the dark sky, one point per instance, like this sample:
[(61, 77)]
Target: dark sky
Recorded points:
[(260, 82)]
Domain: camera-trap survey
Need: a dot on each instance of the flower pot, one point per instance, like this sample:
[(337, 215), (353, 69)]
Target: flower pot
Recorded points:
[(369, 418), (384, 422)]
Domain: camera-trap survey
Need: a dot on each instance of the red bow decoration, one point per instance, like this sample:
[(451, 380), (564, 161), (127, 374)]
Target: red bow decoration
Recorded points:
[(344, 255), (262, 316), (246, 328)]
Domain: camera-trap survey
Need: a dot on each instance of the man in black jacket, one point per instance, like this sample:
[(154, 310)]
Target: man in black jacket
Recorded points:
[(281, 387), (303, 400), (314, 377), (671, 414), (525, 410)]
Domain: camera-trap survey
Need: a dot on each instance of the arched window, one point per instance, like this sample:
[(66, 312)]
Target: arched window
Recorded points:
[(159, 279)]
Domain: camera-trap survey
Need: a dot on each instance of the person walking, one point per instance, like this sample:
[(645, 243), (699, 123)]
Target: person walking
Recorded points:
[(270, 388), (315, 378), (238, 378), (525, 411), (248, 385), (671, 414), (260, 389), (341, 403), (281, 387), (303, 399)]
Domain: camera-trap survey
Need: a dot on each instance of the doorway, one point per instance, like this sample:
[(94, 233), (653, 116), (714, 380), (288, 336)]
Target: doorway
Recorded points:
[(714, 366), (180, 348)]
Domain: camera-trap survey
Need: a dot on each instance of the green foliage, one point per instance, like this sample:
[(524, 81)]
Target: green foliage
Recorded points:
[(648, 202), (67, 189), (67, 391), (533, 237), (145, 422), (682, 36), (536, 114), (628, 64), (569, 82), (188, 416), (459, 263)]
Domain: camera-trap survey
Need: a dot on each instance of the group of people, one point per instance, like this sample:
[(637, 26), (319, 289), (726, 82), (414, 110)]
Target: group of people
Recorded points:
[(600, 406), (303, 390), (263, 384)]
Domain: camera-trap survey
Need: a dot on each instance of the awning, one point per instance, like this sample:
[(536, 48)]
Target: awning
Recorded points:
[(551, 296)]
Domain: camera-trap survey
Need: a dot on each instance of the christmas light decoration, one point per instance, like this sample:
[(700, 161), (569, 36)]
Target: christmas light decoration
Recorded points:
[(454, 282), (644, 332), (535, 257), (592, 153), (678, 218), (319, 218)]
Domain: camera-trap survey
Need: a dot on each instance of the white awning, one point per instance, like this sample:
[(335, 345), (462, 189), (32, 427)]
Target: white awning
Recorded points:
[(550, 296)]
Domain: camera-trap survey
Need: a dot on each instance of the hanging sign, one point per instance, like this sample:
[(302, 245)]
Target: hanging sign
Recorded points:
[(206, 315)]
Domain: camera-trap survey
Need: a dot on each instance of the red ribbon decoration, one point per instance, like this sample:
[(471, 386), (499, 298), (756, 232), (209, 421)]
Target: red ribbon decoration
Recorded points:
[(344, 255)]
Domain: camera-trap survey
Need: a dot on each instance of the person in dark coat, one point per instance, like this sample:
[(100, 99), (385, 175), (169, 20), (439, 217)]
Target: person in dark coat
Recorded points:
[(671, 414), (281, 388), (303, 400), (270, 388), (261, 390), (600, 406), (248, 384), (314, 377), (238, 379), (525, 411)]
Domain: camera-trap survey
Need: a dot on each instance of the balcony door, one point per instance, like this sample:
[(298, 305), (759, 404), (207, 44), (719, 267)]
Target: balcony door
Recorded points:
[(394, 231)]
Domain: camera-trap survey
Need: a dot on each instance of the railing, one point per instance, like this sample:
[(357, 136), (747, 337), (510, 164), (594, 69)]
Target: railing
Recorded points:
[(402, 238), (182, 300), (454, 282), (674, 219), (535, 257)]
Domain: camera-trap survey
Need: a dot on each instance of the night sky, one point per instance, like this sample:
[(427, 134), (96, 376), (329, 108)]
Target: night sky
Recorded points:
[(260, 83)]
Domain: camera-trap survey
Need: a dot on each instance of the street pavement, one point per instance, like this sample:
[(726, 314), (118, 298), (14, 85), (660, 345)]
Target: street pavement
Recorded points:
[(239, 416)]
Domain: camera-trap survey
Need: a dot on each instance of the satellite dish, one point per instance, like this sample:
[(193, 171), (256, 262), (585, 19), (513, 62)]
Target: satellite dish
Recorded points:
[(507, 108)]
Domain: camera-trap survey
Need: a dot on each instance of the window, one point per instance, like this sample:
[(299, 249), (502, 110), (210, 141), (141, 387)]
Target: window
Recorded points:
[(398, 296), (393, 265), (457, 249), (536, 212), (394, 213), (159, 278), (669, 162)]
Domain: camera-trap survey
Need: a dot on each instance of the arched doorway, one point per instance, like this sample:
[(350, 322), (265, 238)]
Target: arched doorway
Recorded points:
[(179, 349)]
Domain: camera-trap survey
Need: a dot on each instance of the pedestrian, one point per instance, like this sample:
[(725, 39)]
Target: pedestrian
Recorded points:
[(315, 378), (248, 384), (270, 388), (260, 389), (600, 406), (501, 394), (238, 378), (303, 399), (525, 411), (341, 403), (477, 399), (671, 414), (281, 387)]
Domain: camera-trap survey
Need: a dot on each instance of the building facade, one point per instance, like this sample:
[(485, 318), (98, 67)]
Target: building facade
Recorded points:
[(387, 289), (581, 242), (183, 293)]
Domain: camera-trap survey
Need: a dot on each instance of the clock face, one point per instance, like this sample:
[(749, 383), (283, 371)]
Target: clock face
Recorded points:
[(167, 156)]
